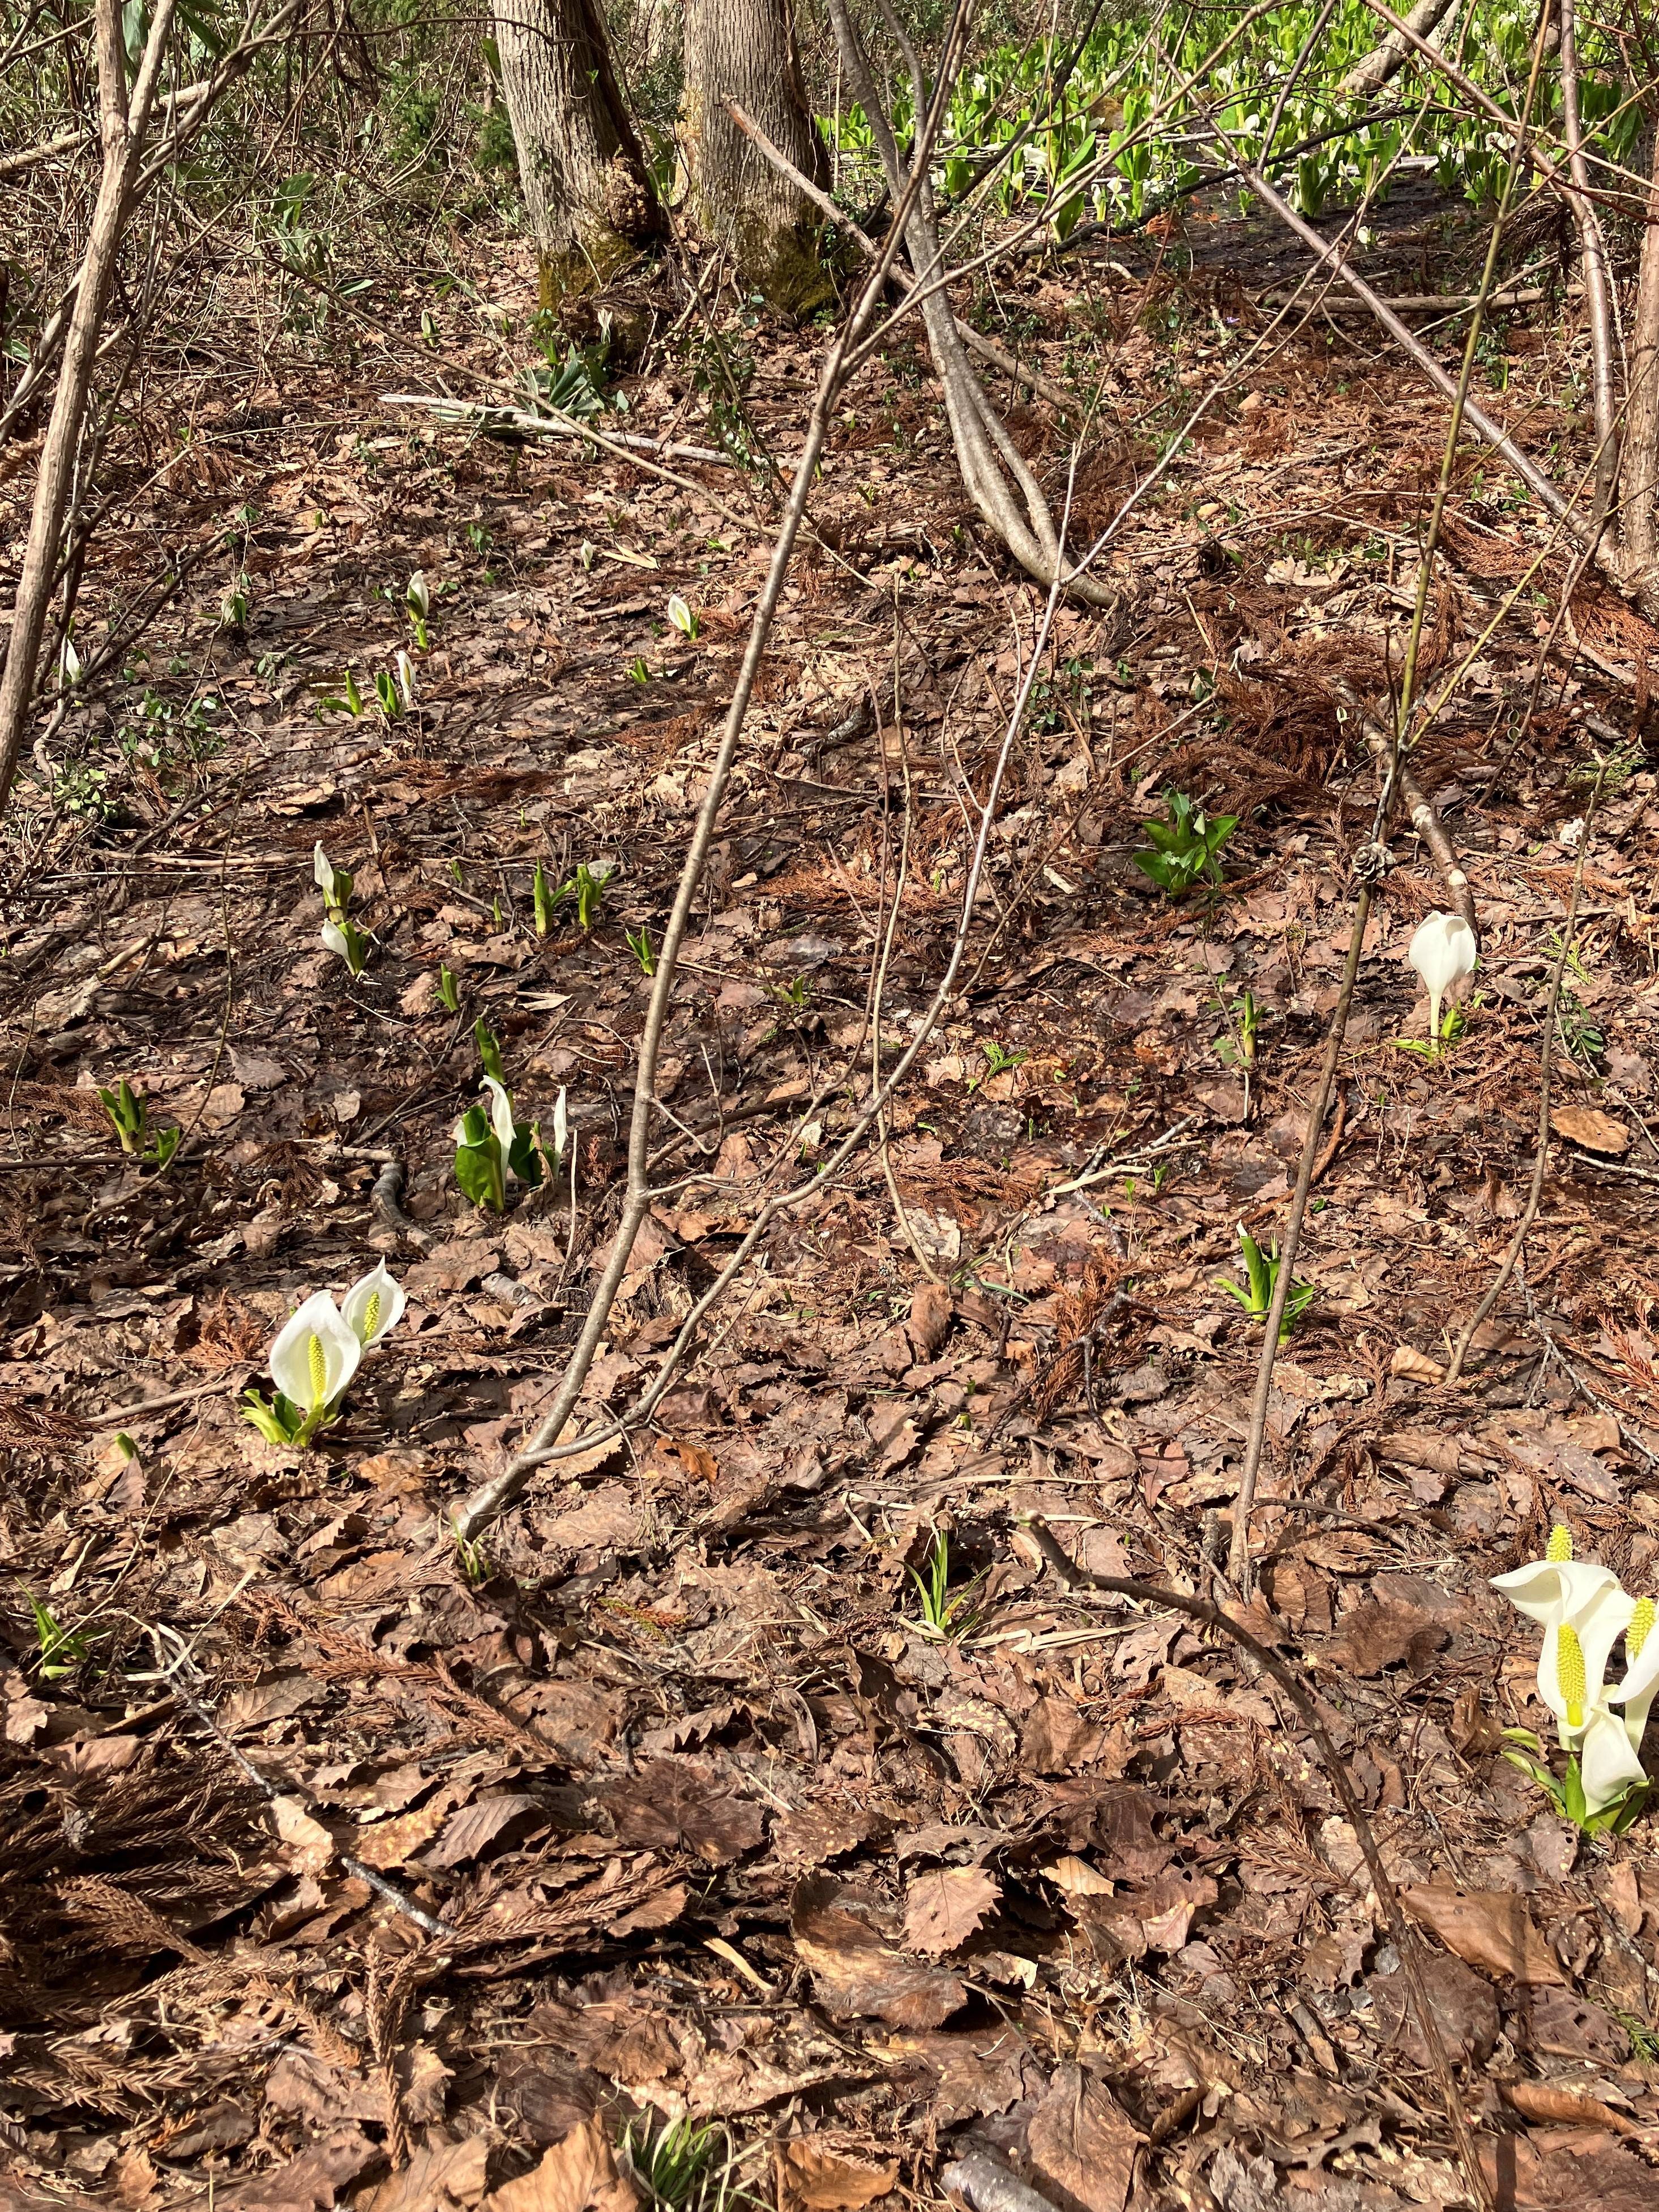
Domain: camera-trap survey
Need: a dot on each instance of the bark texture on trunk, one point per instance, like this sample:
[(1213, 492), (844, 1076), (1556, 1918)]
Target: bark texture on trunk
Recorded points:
[(1639, 477), (744, 51), (584, 178)]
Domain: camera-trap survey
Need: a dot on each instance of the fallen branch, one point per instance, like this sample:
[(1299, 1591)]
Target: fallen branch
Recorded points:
[(1400, 1930)]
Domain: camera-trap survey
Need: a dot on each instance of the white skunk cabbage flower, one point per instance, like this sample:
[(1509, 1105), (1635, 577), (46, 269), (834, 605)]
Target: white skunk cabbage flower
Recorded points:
[(315, 1355), (418, 595), (322, 869), (374, 1306), (560, 1125), (1443, 951), (405, 668), (1583, 1613), (682, 617)]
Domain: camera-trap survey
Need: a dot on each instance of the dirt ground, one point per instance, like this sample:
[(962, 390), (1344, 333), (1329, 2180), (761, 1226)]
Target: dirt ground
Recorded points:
[(339, 1863)]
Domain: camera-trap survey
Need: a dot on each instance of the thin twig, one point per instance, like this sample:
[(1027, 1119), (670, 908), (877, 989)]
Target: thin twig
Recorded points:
[(1546, 1057), (496, 1495)]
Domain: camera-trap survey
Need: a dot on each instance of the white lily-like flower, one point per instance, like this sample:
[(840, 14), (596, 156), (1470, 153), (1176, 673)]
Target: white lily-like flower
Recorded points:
[(374, 1306), (1443, 950), (1640, 1686), (1583, 1613), (682, 617), (315, 1355), (560, 1125), (405, 668), (418, 595)]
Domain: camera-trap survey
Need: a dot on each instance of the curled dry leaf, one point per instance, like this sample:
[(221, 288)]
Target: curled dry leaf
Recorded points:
[(1082, 2144), (1415, 1366), (577, 2175), (857, 1975)]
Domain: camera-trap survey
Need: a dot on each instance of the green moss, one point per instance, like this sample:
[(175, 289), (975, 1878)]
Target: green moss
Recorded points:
[(787, 267)]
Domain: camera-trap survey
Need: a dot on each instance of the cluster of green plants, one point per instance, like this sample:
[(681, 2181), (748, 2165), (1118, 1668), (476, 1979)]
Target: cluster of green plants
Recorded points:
[(1053, 135)]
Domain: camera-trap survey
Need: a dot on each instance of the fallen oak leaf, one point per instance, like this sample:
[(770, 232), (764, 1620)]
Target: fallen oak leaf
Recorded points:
[(577, 2175)]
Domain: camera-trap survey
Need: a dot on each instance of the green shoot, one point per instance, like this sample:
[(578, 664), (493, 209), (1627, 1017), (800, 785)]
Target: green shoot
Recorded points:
[(1255, 1295), (449, 990), (542, 892), (941, 1611), (471, 1556), (1186, 849), (59, 1650), (129, 1112), (349, 701), (489, 1050), (681, 2166), (1240, 1046), (233, 608), (998, 1057), (386, 696), (1453, 1023), (639, 943), (417, 605), (1567, 1793), (587, 887), (637, 670)]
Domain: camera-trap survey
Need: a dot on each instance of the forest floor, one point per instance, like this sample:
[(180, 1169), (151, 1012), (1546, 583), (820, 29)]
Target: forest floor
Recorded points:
[(672, 1802)]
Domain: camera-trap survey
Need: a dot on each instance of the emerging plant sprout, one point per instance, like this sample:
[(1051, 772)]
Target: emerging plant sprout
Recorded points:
[(491, 1147), (340, 934), (317, 1352), (1443, 951), (1584, 1612)]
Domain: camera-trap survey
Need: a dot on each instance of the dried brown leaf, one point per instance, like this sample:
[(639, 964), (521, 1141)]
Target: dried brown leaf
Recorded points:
[(823, 2180), (1492, 1928), (945, 1906), (577, 2175), (1082, 2145)]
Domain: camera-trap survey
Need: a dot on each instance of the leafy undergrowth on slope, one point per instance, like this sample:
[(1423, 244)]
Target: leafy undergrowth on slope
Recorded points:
[(677, 1801)]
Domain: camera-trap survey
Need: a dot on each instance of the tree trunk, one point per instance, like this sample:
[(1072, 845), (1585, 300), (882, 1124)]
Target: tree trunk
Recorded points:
[(1639, 477), (589, 198), (744, 51)]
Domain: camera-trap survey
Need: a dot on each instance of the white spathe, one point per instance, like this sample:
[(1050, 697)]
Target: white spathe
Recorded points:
[(560, 1125), (315, 1355), (1571, 1592), (1636, 1693), (337, 941), (501, 1114), (323, 869), (380, 1290), (1443, 950)]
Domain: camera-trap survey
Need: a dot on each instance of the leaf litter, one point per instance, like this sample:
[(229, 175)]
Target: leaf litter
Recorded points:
[(340, 1866)]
